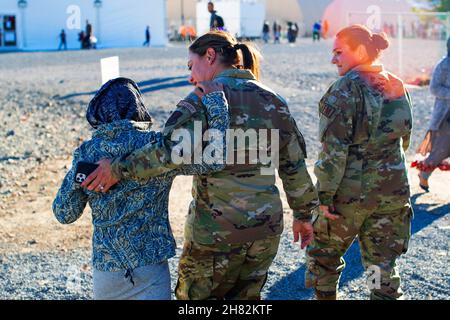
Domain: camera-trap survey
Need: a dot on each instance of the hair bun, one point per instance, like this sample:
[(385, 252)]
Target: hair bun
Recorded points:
[(380, 41)]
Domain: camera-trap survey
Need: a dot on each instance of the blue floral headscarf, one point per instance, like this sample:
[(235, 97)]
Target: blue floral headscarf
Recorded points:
[(118, 99)]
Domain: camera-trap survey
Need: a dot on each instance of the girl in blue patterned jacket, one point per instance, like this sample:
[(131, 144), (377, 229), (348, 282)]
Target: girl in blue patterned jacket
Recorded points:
[(132, 238)]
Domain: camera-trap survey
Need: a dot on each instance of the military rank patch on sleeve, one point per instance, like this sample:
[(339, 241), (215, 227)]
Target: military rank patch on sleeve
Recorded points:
[(187, 105), (173, 118), (327, 110)]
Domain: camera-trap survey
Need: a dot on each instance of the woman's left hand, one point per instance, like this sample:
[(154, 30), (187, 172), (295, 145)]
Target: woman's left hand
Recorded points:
[(328, 214), (303, 230), (205, 87), (102, 179)]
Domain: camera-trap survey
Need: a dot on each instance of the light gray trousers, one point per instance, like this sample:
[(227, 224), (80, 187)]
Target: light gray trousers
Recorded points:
[(150, 282), (440, 146)]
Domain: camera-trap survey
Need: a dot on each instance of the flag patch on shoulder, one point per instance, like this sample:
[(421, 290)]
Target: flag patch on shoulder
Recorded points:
[(327, 110)]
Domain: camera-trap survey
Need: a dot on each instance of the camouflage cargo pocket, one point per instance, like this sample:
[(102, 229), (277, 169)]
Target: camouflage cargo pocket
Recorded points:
[(401, 224), (195, 273), (407, 215), (321, 228)]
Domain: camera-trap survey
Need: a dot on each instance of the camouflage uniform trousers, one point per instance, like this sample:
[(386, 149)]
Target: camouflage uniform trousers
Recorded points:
[(232, 272), (383, 236)]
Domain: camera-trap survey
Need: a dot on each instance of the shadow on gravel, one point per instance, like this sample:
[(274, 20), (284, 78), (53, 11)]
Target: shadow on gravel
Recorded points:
[(292, 287), (8, 158), (177, 84), (151, 85)]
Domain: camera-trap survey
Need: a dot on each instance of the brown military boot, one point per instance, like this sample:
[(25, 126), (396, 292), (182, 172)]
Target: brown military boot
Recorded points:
[(323, 295)]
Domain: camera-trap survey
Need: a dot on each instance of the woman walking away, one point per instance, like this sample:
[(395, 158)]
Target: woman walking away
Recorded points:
[(365, 127), (437, 141), (132, 237)]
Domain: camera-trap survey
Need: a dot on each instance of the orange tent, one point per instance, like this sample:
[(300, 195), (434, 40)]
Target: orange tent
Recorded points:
[(187, 32), (325, 28)]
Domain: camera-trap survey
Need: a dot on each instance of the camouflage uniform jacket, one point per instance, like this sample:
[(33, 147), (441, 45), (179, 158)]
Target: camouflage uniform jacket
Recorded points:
[(131, 225), (365, 127), (239, 204)]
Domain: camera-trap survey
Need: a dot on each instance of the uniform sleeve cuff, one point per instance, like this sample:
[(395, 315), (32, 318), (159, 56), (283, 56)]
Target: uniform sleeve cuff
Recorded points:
[(116, 169), (326, 199), (303, 216)]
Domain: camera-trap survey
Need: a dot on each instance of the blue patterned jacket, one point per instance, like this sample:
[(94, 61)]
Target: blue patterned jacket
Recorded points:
[(131, 225)]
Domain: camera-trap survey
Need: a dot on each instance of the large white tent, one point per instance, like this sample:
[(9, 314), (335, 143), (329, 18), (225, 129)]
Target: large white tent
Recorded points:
[(243, 18), (36, 24)]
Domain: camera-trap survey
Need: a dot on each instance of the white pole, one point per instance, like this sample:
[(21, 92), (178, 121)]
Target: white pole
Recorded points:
[(24, 33), (400, 45), (166, 23), (99, 32)]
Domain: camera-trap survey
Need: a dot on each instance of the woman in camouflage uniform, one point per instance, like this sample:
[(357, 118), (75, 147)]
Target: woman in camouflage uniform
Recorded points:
[(365, 126)]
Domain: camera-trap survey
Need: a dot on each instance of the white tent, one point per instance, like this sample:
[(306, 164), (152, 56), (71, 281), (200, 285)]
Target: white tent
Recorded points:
[(36, 24), (243, 18)]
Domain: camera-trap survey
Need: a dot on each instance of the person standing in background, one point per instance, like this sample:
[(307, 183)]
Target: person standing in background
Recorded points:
[(276, 32), (292, 32), (266, 32), (88, 36), (317, 29), (147, 37), (437, 140), (216, 22), (63, 40)]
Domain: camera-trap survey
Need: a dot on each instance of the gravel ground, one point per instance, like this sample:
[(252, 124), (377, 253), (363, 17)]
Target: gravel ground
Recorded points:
[(42, 104), (57, 276)]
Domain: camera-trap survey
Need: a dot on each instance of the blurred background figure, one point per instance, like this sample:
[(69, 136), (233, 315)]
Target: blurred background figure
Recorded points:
[(436, 144), (277, 32), (187, 33), (147, 37), (216, 22), (62, 40), (317, 29), (89, 34), (87, 38), (266, 32), (292, 32), (81, 37)]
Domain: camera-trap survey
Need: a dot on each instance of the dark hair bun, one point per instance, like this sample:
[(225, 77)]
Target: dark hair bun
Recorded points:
[(380, 41)]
